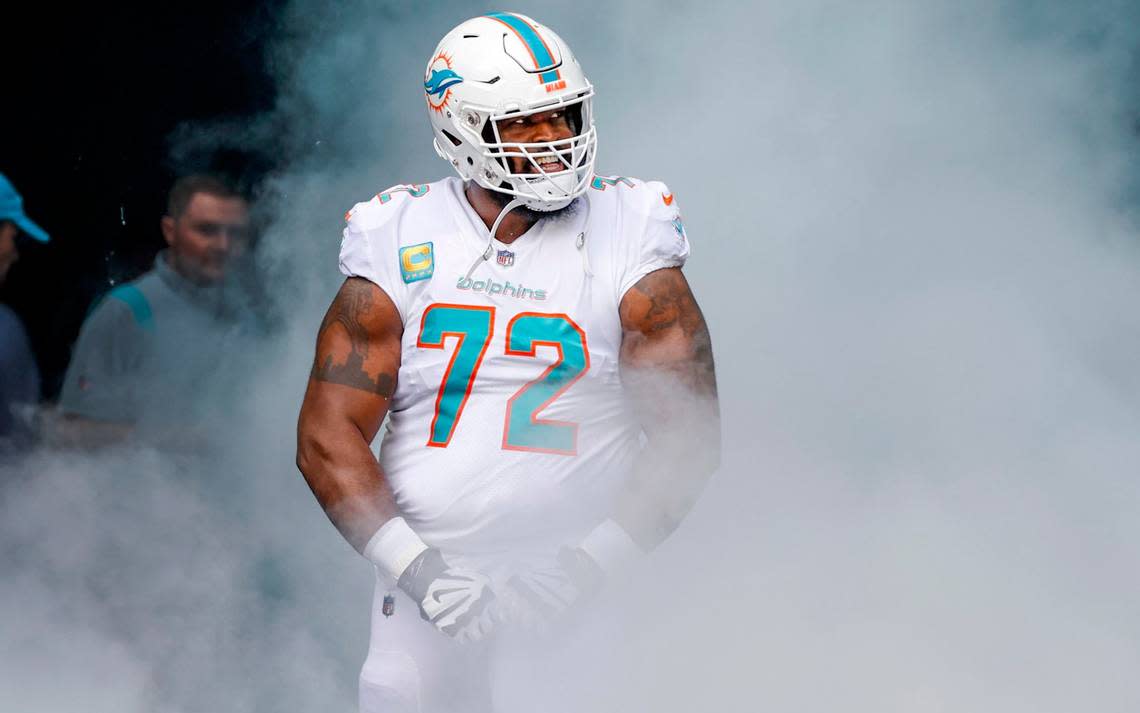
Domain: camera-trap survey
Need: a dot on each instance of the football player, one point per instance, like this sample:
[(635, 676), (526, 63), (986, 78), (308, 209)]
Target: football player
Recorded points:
[(546, 372)]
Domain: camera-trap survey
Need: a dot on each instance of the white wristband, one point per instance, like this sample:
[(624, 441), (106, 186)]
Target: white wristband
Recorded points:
[(393, 547), (611, 547)]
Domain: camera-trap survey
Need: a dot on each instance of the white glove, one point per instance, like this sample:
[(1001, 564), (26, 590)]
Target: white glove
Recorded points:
[(538, 598), (455, 600)]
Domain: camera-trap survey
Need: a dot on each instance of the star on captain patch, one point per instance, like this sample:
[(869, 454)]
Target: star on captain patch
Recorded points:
[(506, 258)]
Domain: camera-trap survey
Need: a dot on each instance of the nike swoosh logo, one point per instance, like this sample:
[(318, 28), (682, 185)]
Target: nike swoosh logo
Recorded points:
[(443, 593), (667, 198)]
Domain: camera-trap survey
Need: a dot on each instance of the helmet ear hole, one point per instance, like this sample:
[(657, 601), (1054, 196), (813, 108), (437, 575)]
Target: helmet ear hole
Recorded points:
[(451, 137), (488, 132), (488, 135)]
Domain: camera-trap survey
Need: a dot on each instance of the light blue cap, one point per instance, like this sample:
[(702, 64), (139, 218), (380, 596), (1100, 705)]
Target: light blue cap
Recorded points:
[(12, 208)]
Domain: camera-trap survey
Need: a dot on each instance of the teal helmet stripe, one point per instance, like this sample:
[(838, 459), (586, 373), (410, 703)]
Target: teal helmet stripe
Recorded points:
[(534, 42)]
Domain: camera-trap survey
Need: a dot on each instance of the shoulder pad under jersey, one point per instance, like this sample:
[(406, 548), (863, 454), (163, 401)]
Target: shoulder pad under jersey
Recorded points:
[(384, 206)]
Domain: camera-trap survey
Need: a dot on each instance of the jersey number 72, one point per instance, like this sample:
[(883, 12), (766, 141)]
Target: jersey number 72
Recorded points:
[(473, 328)]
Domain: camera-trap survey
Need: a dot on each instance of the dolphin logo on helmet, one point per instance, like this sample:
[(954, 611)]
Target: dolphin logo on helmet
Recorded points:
[(440, 80)]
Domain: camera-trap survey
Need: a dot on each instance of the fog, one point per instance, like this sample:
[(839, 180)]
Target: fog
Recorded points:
[(914, 239)]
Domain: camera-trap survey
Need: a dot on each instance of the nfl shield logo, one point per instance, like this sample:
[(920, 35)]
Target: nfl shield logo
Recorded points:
[(506, 258)]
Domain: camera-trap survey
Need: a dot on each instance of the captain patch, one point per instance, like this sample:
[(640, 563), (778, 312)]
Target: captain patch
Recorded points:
[(417, 262)]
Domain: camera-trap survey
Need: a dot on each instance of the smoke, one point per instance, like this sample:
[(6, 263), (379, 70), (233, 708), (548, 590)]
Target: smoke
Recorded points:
[(913, 231), (928, 497)]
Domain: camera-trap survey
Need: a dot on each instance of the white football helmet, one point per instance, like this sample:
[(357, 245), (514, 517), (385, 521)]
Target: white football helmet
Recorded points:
[(500, 66)]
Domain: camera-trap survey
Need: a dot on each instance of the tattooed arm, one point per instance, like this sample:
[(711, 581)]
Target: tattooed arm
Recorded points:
[(353, 377), (668, 374)]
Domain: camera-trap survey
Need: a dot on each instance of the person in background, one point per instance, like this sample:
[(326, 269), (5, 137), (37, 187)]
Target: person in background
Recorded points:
[(19, 377), (153, 345)]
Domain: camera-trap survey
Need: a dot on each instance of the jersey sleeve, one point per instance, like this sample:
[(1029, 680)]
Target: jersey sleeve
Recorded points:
[(370, 246), (655, 237), (101, 383)]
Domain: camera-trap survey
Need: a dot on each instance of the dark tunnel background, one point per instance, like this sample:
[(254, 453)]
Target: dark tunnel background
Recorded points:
[(96, 98)]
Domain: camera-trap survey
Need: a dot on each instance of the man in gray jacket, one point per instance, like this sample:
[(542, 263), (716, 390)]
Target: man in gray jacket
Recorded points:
[(153, 347)]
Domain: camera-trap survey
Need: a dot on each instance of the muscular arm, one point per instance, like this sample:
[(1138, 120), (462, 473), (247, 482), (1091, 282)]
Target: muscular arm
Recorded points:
[(667, 370), (353, 377)]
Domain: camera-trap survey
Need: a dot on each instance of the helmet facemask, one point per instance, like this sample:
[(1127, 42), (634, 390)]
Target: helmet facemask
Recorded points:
[(540, 190)]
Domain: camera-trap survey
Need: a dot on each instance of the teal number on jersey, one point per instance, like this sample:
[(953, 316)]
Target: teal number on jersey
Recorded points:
[(414, 190), (524, 430), (471, 327), (600, 182)]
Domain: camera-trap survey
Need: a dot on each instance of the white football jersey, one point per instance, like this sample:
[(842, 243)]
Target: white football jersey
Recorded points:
[(508, 431)]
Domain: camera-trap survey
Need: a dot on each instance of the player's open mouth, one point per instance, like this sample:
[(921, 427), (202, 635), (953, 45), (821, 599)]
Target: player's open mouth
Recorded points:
[(550, 164)]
